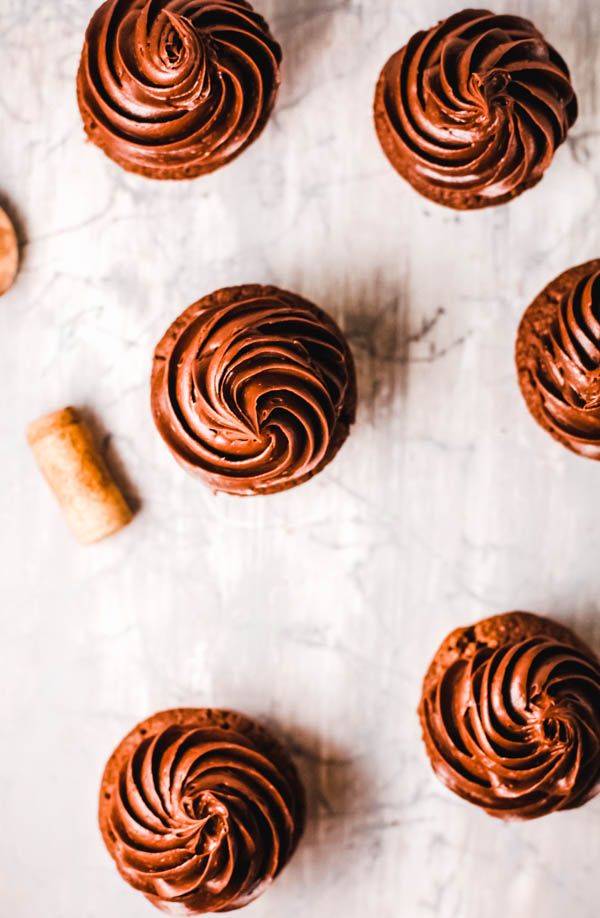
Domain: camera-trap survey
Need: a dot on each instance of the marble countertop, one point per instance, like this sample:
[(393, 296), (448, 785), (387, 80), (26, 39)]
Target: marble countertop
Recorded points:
[(316, 610)]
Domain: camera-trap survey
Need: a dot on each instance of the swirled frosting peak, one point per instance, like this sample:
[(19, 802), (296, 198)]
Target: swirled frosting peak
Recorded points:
[(472, 111), (511, 721), (200, 810), (253, 389), (558, 359), (176, 88)]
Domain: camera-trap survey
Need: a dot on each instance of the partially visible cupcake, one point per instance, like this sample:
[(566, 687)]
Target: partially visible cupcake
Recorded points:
[(472, 111), (558, 359), (253, 389), (200, 809), (510, 712), (174, 89), (9, 253)]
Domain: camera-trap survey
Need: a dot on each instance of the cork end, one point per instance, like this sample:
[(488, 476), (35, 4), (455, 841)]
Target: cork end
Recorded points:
[(121, 517), (51, 423)]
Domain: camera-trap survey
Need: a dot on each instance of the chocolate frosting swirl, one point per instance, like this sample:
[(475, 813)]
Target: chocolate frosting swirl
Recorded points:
[(564, 360), (253, 389), (176, 88), (515, 728), (472, 111), (200, 816)]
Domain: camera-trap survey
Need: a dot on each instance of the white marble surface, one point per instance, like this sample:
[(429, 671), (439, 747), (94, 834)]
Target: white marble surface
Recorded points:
[(317, 610)]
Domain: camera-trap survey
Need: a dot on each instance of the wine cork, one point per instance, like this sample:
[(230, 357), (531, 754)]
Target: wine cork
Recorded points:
[(76, 472), (9, 253)]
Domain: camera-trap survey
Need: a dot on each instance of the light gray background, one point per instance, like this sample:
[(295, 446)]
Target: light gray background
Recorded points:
[(316, 610)]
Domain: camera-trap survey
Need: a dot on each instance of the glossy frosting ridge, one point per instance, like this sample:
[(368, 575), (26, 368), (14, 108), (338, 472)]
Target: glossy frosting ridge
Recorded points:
[(472, 111), (511, 722), (253, 389), (176, 88), (202, 815)]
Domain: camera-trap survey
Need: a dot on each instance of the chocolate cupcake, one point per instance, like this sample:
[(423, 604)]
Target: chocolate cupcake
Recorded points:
[(9, 253), (510, 713), (173, 89), (201, 810), (253, 389), (472, 111), (558, 359)]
